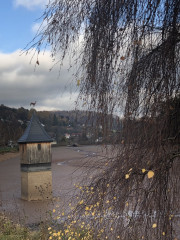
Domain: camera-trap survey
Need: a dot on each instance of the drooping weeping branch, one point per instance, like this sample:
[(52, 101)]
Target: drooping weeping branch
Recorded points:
[(129, 63)]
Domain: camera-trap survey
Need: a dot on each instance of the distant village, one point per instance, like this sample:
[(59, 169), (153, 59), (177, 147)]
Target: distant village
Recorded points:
[(64, 127)]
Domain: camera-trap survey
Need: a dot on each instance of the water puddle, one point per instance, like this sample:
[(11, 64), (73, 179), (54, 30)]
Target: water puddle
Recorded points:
[(61, 163)]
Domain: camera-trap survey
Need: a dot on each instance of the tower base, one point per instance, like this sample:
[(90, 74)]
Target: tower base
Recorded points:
[(36, 185)]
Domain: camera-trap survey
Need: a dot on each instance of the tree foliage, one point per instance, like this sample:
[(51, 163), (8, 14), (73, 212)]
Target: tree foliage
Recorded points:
[(129, 63)]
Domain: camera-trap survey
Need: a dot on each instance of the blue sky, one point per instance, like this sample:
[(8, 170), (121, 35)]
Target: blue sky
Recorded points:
[(16, 24), (20, 83)]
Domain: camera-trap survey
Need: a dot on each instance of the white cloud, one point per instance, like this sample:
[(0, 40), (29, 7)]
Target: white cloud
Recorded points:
[(21, 83), (38, 26), (31, 4)]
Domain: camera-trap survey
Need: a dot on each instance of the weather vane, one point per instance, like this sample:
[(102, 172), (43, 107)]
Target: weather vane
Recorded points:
[(33, 104)]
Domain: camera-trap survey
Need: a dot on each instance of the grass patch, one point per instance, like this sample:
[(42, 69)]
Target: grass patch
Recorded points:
[(4, 150), (11, 231)]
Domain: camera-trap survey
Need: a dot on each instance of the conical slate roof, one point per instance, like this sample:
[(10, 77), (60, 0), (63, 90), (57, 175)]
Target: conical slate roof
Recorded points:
[(35, 132)]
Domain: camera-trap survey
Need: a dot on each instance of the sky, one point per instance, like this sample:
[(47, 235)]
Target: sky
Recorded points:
[(20, 81)]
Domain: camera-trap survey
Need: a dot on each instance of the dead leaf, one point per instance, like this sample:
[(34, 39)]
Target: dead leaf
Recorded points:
[(150, 174)]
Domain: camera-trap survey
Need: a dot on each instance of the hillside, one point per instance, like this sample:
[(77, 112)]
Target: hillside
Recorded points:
[(65, 127)]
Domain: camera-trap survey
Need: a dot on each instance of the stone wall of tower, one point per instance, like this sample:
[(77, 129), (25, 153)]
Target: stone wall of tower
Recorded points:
[(36, 185)]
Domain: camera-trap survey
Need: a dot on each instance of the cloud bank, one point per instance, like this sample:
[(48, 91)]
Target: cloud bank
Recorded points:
[(22, 83), (31, 4)]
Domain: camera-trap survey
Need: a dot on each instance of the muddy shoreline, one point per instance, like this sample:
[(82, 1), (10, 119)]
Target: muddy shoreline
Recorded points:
[(9, 155), (70, 166)]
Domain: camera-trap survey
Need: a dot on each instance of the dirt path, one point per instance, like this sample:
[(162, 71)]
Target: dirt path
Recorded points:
[(9, 155)]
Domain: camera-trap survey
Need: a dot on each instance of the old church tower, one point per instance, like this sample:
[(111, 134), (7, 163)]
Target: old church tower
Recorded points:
[(35, 149)]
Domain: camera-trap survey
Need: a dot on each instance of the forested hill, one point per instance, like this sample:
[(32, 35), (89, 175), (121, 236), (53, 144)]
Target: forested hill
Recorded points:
[(68, 127), (61, 125), (14, 121)]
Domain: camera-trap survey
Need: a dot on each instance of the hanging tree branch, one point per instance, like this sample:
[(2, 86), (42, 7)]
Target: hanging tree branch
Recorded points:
[(129, 62)]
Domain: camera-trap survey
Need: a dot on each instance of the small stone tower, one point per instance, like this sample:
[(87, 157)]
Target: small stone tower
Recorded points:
[(35, 149)]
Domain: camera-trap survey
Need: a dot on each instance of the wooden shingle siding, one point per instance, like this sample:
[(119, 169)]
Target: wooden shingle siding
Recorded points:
[(23, 153), (31, 155)]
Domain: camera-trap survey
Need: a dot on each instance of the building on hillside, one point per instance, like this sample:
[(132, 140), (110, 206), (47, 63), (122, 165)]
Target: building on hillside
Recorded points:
[(35, 149), (67, 135)]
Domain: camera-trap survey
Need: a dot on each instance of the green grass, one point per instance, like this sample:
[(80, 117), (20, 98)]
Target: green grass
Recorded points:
[(12, 231), (8, 149)]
